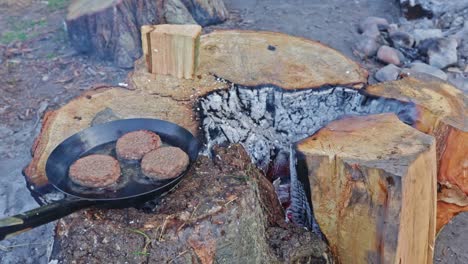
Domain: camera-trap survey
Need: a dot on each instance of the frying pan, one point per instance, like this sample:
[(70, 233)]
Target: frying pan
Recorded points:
[(85, 142)]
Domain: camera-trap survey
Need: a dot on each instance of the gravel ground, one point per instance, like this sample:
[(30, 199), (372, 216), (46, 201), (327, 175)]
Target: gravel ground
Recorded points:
[(40, 71)]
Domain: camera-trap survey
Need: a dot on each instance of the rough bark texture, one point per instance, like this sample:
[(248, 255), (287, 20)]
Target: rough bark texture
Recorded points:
[(442, 112), (225, 211), (373, 185), (110, 29)]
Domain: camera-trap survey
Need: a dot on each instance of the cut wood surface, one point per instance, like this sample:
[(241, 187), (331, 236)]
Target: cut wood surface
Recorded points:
[(173, 49), (373, 185), (176, 100), (110, 29), (442, 111)]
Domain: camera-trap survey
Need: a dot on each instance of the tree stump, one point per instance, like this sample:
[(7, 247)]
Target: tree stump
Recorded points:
[(283, 68), (176, 100), (373, 185), (225, 211), (110, 29)]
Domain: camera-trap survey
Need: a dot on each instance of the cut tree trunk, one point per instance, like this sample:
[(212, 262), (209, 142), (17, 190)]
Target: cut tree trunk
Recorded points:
[(442, 111), (225, 211), (373, 185), (110, 29), (176, 100)]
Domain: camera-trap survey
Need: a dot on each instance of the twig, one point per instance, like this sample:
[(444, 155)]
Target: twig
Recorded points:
[(163, 228), (230, 201), (178, 256), (147, 241)]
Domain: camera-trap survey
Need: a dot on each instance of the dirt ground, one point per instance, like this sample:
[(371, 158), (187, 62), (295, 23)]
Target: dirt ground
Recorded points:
[(40, 71)]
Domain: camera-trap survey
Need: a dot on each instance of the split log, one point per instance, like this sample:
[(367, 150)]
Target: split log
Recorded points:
[(173, 49), (110, 29), (442, 111), (305, 64), (225, 211), (373, 185)]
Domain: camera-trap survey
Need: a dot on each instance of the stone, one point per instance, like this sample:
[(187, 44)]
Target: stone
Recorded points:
[(422, 34), (444, 53), (402, 39), (177, 13), (428, 69), (392, 28), (372, 32), (436, 7), (367, 46), (390, 55), (459, 80), (370, 22), (387, 73)]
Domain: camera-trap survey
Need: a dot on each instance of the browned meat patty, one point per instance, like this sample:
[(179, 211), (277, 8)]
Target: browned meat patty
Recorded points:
[(134, 145), (95, 171), (164, 163)]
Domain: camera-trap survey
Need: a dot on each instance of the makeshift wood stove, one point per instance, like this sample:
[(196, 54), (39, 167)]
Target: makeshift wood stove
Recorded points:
[(303, 162)]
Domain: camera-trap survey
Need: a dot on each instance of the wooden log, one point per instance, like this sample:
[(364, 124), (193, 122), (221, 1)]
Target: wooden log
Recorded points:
[(442, 111), (110, 29), (373, 185), (176, 100), (225, 211), (173, 50)]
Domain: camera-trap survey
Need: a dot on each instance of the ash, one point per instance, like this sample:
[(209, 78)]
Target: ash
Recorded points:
[(268, 120)]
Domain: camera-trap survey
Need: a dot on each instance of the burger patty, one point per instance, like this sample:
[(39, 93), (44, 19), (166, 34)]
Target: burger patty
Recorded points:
[(134, 145), (164, 163), (95, 171)]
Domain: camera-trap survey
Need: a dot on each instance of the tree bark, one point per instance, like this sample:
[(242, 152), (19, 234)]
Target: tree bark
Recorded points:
[(110, 29), (373, 185)]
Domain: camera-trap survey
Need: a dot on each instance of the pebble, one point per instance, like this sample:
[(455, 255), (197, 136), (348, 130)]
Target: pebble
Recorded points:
[(369, 22), (390, 55), (402, 39), (459, 80), (45, 78), (428, 69), (422, 34), (444, 53), (367, 46), (387, 73)]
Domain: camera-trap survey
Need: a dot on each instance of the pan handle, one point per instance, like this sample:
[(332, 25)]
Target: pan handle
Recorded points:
[(14, 225)]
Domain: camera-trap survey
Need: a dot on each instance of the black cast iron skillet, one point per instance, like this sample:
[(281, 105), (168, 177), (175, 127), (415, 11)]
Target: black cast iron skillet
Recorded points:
[(88, 141)]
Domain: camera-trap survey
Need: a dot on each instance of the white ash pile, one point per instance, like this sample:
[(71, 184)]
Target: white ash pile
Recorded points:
[(437, 45)]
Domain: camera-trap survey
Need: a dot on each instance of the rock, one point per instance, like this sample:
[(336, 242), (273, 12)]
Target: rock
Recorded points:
[(402, 39), (372, 32), (368, 23), (367, 46), (436, 7), (444, 53), (387, 73), (390, 55), (457, 22), (424, 45), (445, 20), (392, 28), (459, 80), (428, 69), (422, 34)]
